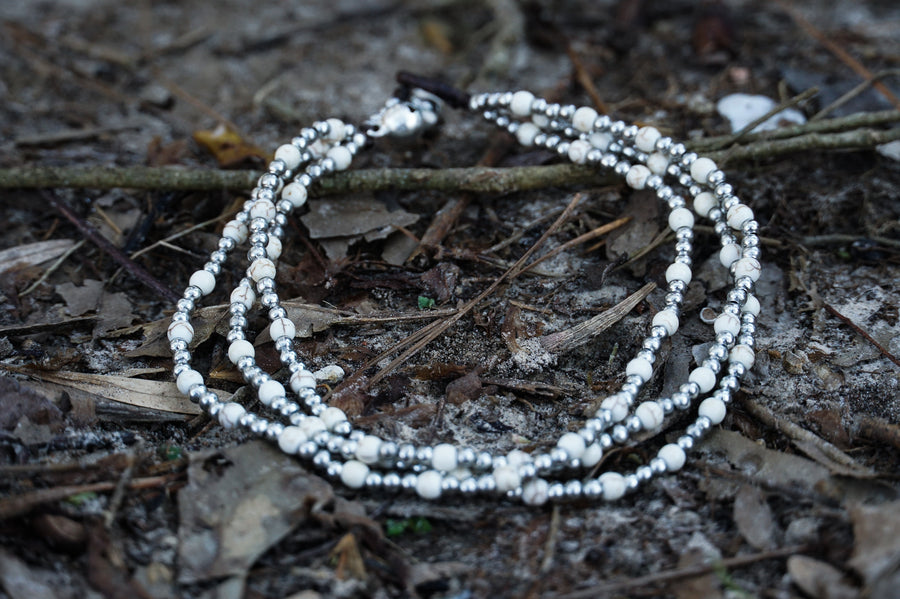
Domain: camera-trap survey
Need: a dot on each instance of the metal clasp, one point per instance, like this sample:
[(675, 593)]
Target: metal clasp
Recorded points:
[(406, 117)]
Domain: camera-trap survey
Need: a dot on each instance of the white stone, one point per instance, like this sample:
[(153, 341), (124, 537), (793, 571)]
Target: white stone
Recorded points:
[(743, 109), (666, 319), (673, 456), (739, 215), (520, 105), (295, 193), (658, 162), (517, 457), (443, 457), (578, 151), (354, 474), (428, 484), (187, 379), (332, 417), (302, 379), (240, 349), (243, 294), (742, 354), (573, 444), (203, 280), (704, 202), (282, 327), (678, 272), (637, 175), (591, 456), (526, 133), (236, 231), (506, 478), (640, 367), (583, 119), (646, 139), (617, 406), (729, 254), (713, 408), (273, 248), (701, 168), (341, 156), (289, 154), (270, 391), (613, 485), (535, 492), (231, 414), (180, 330), (290, 439), (651, 415), (367, 449), (261, 268), (336, 129), (329, 374), (600, 140), (747, 267), (704, 377), (727, 323), (262, 209), (751, 305), (680, 217)]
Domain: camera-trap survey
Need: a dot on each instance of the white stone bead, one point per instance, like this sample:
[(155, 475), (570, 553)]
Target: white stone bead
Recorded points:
[(701, 168), (541, 121), (188, 379), (617, 406), (704, 377), (520, 105), (526, 133), (742, 354), (517, 457), (341, 156), (261, 268), (727, 323), (506, 478), (294, 193), (236, 231), (443, 457), (354, 474), (637, 175), (289, 154), (704, 202), (240, 349), (535, 492), (600, 141), (640, 367), (613, 485), (302, 379), (678, 272), (729, 254), (646, 139), (573, 444), (738, 215), (273, 248), (673, 456), (591, 456), (180, 330), (583, 119), (751, 305), (231, 414), (270, 391), (651, 415), (332, 417), (312, 425), (282, 327), (428, 484), (680, 217), (578, 151), (336, 129), (747, 267), (658, 163), (713, 408), (203, 280), (290, 439), (262, 209), (243, 294), (367, 449), (666, 319)]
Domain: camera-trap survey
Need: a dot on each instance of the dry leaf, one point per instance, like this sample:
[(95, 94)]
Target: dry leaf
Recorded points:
[(339, 223), (876, 553), (818, 579), (32, 254), (704, 586), (228, 147), (349, 559), (22, 582), (754, 517)]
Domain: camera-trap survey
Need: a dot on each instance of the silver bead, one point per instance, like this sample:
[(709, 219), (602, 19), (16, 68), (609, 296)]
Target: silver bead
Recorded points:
[(179, 368), (391, 480), (255, 253), (644, 473), (486, 483), (342, 428), (654, 182), (652, 344), (527, 471), (726, 338), (633, 424), (573, 489), (321, 459), (592, 489), (214, 409), (192, 292), (406, 452), (606, 441), (374, 480), (180, 317), (259, 427), (667, 405), (226, 244), (334, 469), (465, 457), (450, 484), (715, 178), (631, 483), (182, 357), (424, 454), (619, 434), (676, 150), (723, 191), (484, 461), (681, 401), (658, 466), (321, 438), (543, 462), (280, 220), (556, 491), (277, 167), (208, 400), (468, 486), (686, 443)]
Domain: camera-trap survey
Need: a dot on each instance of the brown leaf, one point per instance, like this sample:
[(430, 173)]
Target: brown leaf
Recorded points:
[(876, 552), (17, 401), (704, 586), (818, 579), (32, 254), (465, 388), (349, 560), (754, 517), (228, 147)]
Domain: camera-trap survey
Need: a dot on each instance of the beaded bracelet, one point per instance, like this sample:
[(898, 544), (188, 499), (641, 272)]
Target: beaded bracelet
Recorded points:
[(301, 424)]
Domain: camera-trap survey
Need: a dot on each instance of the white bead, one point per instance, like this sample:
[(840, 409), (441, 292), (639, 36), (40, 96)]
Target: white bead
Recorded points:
[(520, 105), (583, 119), (302, 379), (354, 474), (617, 406), (613, 485), (332, 417), (680, 217), (236, 230), (341, 156), (261, 268), (578, 151), (294, 193), (230, 414), (678, 272), (704, 202), (667, 319), (738, 215), (573, 444), (428, 484), (651, 415), (637, 175), (600, 141), (729, 254), (540, 120), (535, 492), (701, 168), (243, 294), (506, 478), (367, 450), (312, 425), (526, 133), (443, 457), (751, 305), (658, 163), (742, 354), (273, 248), (204, 280), (188, 379), (270, 391), (240, 349), (727, 323), (673, 456), (640, 367), (646, 139), (591, 456), (290, 439), (747, 267), (704, 377), (289, 154), (713, 408), (180, 330), (262, 209), (282, 327), (336, 129)]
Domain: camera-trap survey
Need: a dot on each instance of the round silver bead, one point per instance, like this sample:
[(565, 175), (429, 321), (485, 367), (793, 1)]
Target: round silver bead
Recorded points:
[(468, 486), (619, 434), (391, 480)]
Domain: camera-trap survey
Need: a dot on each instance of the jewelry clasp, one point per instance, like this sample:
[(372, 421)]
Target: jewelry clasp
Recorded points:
[(405, 117)]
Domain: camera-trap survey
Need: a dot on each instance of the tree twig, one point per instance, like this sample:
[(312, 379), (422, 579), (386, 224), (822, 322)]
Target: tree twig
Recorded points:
[(789, 103), (846, 320)]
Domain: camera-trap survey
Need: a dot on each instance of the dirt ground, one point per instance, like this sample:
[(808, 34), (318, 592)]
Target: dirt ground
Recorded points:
[(113, 486)]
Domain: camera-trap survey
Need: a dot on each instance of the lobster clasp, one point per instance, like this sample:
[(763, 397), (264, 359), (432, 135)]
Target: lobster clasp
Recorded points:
[(406, 117)]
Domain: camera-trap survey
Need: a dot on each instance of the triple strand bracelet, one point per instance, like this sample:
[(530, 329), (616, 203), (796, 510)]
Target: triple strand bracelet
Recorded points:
[(300, 423)]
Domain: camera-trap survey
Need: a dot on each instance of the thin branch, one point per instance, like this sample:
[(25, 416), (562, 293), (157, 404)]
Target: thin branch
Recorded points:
[(789, 103), (846, 320), (862, 138)]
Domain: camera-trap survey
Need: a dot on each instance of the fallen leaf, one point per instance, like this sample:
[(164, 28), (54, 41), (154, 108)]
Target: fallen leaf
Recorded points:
[(22, 582), (818, 579), (339, 223), (32, 254), (704, 586), (876, 551), (349, 560), (18, 401), (228, 147), (754, 517)]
